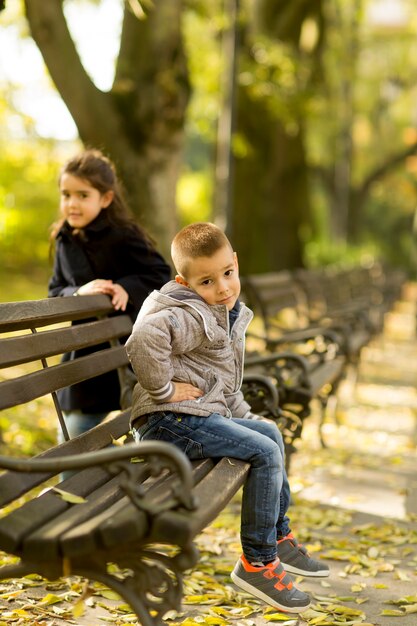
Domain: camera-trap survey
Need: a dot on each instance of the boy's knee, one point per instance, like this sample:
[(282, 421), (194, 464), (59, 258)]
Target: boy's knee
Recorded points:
[(271, 430), (277, 459)]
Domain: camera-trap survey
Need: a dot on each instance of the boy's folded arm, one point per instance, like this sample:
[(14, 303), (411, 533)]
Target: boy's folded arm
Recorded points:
[(150, 349), (163, 394)]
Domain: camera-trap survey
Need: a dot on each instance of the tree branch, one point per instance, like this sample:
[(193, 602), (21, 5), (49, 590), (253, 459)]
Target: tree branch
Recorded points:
[(390, 164), (90, 108), (282, 19), (151, 70)]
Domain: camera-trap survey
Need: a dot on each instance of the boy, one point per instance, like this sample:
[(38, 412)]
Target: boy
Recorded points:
[(187, 350)]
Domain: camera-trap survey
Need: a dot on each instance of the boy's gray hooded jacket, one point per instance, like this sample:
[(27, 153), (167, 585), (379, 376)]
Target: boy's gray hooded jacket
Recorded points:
[(178, 337)]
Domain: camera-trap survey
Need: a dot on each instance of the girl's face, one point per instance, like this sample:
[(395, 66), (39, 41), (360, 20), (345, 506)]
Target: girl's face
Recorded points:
[(80, 202)]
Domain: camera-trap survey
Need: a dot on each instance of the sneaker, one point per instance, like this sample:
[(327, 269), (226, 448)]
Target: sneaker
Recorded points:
[(270, 583), (296, 560)]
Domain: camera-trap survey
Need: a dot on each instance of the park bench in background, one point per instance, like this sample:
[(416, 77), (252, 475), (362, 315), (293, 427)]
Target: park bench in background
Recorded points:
[(306, 362), (333, 301), (128, 508), (310, 327), (353, 300)]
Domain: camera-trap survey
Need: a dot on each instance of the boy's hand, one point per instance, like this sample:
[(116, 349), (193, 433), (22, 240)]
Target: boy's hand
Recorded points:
[(185, 391)]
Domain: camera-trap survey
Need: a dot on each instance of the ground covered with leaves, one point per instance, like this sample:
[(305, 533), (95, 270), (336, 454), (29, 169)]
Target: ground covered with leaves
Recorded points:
[(355, 505)]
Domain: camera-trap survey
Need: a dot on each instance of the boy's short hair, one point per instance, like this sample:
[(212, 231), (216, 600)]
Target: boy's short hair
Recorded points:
[(196, 240)]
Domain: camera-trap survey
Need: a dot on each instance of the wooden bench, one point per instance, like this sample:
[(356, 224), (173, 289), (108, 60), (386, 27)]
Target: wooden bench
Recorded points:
[(134, 497), (353, 299), (337, 300), (312, 326), (306, 361)]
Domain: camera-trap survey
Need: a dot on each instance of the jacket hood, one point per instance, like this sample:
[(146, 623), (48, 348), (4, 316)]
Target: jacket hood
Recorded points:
[(207, 353), (173, 294), (181, 293)]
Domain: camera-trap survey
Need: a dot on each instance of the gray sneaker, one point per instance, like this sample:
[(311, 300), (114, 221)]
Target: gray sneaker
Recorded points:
[(296, 560), (271, 584)]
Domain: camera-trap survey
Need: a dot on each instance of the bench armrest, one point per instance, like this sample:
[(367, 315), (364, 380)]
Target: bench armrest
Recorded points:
[(271, 359), (262, 395), (160, 455), (301, 335)]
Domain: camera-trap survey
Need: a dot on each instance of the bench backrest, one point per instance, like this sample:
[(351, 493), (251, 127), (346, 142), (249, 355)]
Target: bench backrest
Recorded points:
[(47, 333), (277, 299), (331, 289), (325, 290), (33, 337)]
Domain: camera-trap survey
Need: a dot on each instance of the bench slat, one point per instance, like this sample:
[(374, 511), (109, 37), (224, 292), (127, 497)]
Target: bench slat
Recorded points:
[(43, 541), (27, 348), (38, 511), (328, 373), (37, 313), (31, 386), (230, 474), (123, 519)]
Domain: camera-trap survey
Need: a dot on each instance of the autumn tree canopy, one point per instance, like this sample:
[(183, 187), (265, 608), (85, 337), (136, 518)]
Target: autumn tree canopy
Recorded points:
[(323, 143)]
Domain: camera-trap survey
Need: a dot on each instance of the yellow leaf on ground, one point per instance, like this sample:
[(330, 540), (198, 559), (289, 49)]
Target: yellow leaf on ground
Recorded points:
[(278, 617), (78, 609), (69, 497), (402, 575), (392, 612), (50, 598)]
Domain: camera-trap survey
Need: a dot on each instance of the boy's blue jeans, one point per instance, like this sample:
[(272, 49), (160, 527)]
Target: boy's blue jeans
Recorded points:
[(266, 493)]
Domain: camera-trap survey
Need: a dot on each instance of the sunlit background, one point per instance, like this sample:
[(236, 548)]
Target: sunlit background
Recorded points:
[(362, 115)]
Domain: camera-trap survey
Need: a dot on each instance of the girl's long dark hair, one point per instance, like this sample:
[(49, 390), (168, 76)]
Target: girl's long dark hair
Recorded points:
[(99, 171)]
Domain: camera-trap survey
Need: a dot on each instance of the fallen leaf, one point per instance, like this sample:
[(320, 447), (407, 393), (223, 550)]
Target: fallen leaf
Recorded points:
[(69, 497)]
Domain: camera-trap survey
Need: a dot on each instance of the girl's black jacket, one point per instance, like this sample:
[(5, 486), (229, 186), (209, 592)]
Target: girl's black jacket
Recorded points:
[(115, 253)]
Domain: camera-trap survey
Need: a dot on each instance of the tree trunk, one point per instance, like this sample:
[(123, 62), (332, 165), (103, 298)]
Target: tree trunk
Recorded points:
[(272, 199), (139, 122), (271, 195)]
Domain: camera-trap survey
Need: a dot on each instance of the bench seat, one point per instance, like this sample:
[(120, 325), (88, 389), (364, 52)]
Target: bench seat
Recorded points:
[(122, 501)]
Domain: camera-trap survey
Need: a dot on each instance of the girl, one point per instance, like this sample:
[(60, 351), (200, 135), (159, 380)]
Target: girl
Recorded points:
[(99, 250)]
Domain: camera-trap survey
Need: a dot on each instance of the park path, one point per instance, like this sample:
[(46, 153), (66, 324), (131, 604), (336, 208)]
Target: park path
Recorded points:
[(370, 464), (370, 471)]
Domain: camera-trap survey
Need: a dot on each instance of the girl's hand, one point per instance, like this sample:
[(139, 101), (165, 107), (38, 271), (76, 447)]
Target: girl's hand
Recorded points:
[(185, 391), (120, 297), (99, 285)]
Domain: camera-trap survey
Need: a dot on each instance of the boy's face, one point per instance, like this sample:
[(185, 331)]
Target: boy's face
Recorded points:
[(214, 278)]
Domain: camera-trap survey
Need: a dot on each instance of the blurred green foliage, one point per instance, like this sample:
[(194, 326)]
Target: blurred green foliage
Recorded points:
[(365, 108), (28, 206), (28, 430), (380, 118)]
